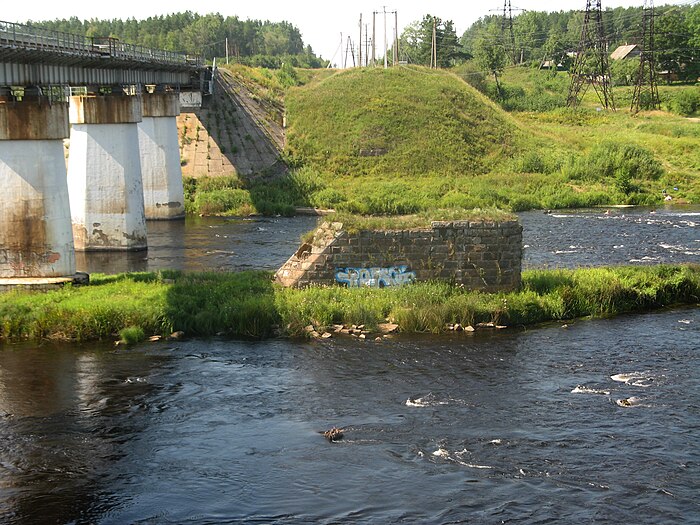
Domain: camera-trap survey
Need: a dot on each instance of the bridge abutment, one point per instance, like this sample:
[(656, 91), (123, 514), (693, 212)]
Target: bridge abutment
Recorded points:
[(104, 173), (160, 157), (35, 233)]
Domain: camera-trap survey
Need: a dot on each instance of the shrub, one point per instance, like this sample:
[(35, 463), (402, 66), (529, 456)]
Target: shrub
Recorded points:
[(534, 161), (622, 162), (685, 102), (132, 335), (221, 201), (515, 98)]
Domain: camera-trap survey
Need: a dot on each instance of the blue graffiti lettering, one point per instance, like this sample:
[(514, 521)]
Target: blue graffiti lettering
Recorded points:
[(375, 277)]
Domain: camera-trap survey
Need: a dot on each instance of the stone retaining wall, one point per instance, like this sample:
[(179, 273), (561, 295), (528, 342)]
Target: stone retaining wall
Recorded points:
[(478, 255)]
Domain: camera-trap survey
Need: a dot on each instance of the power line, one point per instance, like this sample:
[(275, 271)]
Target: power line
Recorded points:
[(591, 65), (646, 91)]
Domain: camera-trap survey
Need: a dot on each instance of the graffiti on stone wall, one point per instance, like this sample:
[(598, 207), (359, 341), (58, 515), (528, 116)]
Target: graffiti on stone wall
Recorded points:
[(375, 277)]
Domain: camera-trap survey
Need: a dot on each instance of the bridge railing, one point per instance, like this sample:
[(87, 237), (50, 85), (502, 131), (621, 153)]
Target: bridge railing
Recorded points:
[(21, 36)]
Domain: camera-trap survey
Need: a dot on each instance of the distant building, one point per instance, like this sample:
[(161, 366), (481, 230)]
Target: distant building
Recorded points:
[(626, 52), (552, 64)]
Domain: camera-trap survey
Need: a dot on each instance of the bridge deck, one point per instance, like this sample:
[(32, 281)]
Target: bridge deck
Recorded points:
[(23, 45)]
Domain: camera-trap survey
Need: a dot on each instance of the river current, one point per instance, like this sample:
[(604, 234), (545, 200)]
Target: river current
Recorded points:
[(589, 422)]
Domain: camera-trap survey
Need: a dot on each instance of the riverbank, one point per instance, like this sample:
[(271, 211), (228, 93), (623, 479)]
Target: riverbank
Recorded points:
[(432, 141), (249, 305)]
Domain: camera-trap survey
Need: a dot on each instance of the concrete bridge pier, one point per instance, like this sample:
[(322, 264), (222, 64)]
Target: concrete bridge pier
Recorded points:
[(36, 240), (160, 156), (104, 173)]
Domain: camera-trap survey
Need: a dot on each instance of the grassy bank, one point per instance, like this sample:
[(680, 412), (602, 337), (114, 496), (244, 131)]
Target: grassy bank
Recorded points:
[(408, 140), (248, 304)]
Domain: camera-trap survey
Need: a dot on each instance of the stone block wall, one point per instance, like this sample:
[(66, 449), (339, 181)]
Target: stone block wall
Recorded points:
[(478, 255)]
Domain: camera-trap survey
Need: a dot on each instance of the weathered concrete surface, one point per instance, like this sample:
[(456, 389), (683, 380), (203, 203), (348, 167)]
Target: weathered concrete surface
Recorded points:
[(477, 255), (160, 157), (35, 226), (104, 174), (160, 168), (160, 105), (34, 284), (108, 109), (36, 120)]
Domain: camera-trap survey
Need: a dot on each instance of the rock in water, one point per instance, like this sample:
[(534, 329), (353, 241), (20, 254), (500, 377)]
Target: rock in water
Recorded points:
[(334, 434)]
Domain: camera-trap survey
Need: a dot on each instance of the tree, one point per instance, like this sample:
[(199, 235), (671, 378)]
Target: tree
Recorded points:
[(410, 42), (671, 43), (554, 48), (489, 52), (416, 42)]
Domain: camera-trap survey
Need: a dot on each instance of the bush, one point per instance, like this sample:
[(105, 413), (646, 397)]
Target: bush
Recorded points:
[(222, 201), (533, 161), (685, 102), (132, 335), (515, 98), (621, 162)]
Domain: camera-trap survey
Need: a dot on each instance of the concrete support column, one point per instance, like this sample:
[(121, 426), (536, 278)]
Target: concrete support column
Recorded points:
[(160, 157), (35, 226), (104, 173)]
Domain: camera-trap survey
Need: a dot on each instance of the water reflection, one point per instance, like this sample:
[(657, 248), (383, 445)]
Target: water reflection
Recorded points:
[(567, 238), (206, 243), (63, 413), (217, 431)]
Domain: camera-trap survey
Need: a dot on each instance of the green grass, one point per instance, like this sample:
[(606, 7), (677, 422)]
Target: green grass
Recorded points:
[(249, 305), (355, 223), (132, 335), (405, 141)]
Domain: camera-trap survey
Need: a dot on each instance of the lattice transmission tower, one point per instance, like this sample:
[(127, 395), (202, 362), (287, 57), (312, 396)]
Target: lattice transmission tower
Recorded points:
[(591, 65), (646, 91), (507, 25)]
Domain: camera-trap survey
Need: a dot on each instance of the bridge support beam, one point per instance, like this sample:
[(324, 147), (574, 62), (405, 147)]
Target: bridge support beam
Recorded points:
[(104, 173), (35, 226), (160, 157)]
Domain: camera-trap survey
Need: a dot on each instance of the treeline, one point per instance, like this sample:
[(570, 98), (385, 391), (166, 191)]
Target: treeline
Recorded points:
[(540, 36), (253, 42)]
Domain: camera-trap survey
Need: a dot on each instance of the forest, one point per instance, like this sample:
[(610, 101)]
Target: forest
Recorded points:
[(540, 36), (537, 36), (251, 42)]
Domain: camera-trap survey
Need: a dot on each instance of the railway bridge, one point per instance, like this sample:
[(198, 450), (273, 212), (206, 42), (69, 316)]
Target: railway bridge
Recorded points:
[(117, 104)]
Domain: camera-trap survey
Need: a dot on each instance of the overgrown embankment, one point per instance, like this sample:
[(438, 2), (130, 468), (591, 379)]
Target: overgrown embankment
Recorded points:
[(247, 304), (410, 139)]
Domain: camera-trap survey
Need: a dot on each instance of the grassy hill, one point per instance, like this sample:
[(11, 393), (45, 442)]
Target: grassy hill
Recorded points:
[(399, 121), (409, 139)]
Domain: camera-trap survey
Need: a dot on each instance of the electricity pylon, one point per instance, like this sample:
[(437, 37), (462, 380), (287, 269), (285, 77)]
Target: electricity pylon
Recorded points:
[(646, 91), (591, 66)]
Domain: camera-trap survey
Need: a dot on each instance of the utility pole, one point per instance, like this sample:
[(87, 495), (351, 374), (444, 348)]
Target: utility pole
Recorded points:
[(227, 51), (396, 38), (374, 38), (386, 64), (359, 51), (591, 66), (351, 48), (433, 49), (646, 92), (366, 45), (343, 56)]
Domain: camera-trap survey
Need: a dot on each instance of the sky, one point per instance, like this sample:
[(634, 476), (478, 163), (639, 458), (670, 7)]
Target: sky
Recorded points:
[(320, 22)]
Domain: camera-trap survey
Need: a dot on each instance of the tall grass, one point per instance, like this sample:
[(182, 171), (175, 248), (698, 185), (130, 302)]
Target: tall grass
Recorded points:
[(410, 140), (248, 304)]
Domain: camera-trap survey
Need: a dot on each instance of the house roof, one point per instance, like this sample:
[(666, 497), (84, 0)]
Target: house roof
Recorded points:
[(623, 51)]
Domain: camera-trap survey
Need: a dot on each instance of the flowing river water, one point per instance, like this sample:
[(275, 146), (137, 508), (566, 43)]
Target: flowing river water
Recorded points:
[(593, 422)]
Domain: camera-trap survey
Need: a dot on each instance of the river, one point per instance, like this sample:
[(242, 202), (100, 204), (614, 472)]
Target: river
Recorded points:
[(592, 422), (591, 237)]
